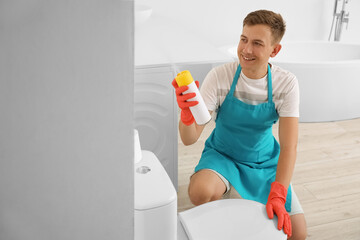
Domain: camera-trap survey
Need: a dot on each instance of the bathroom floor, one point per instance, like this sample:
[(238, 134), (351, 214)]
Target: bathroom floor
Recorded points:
[(326, 177)]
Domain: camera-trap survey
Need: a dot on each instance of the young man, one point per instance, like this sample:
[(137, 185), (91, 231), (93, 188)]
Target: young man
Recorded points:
[(249, 96)]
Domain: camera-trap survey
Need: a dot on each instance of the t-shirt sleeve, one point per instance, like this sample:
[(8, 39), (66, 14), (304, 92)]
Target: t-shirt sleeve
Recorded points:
[(208, 90), (290, 105)]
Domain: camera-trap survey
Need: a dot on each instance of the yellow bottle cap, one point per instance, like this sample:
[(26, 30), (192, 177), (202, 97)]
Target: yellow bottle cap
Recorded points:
[(184, 78)]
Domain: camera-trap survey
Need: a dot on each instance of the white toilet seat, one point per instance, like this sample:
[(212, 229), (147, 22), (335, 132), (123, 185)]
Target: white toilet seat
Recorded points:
[(229, 219), (181, 234)]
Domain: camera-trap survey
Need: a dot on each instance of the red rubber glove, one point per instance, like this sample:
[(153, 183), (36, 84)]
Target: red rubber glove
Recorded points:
[(276, 204), (186, 116)]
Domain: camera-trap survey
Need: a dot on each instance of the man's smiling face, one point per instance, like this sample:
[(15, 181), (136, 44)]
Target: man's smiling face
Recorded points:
[(255, 48)]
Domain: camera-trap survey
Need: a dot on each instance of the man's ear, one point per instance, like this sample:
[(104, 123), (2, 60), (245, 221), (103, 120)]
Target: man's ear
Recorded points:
[(276, 50)]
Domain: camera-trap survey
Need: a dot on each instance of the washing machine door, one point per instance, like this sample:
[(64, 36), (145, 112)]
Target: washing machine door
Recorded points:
[(230, 219)]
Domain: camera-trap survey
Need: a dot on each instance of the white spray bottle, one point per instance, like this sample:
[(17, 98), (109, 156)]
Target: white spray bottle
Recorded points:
[(199, 111)]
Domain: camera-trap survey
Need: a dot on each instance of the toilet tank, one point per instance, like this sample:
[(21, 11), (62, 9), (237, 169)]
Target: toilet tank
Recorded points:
[(155, 200)]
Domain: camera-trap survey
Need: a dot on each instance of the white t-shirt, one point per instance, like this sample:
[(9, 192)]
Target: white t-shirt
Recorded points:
[(285, 91)]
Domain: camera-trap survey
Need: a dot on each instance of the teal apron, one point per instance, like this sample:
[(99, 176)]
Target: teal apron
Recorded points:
[(242, 147)]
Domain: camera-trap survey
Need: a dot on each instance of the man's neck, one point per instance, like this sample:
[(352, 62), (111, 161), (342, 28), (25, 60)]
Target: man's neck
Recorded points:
[(256, 73)]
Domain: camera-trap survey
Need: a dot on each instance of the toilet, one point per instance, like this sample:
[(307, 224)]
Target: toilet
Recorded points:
[(156, 217)]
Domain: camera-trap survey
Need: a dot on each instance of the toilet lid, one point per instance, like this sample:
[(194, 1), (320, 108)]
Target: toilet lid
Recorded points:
[(230, 219)]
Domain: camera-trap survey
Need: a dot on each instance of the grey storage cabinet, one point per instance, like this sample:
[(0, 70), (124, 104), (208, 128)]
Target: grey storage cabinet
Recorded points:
[(155, 115)]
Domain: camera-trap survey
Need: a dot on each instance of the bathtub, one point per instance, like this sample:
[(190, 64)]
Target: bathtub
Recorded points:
[(328, 75)]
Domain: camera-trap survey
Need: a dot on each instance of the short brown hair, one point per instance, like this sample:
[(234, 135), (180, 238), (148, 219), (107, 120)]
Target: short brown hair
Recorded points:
[(269, 18)]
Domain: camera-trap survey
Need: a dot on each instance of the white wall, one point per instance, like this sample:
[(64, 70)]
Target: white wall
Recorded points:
[(220, 22), (66, 111)]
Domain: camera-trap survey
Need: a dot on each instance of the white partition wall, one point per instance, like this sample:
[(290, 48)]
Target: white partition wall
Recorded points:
[(66, 128)]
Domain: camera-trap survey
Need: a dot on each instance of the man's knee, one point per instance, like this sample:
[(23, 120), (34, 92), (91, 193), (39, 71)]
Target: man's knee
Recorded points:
[(201, 194), (299, 228), (301, 235), (205, 186)]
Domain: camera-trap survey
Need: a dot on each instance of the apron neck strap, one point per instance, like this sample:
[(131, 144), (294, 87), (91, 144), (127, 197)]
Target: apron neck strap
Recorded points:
[(235, 80), (269, 77), (237, 75)]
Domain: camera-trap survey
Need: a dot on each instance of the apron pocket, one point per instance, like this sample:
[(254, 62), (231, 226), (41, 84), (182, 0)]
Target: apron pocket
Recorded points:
[(247, 156), (222, 147), (237, 154)]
